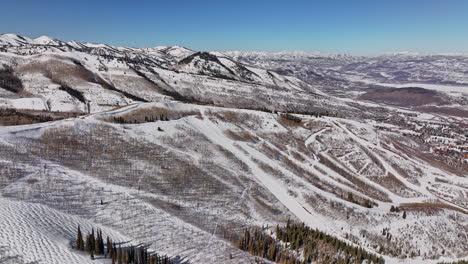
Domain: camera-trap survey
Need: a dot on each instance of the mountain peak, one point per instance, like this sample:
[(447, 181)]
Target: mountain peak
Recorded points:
[(45, 40), (18, 40), (14, 39)]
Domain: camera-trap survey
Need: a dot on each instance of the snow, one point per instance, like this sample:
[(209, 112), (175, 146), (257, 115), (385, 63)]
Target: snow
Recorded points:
[(280, 189), (269, 182), (14, 40), (45, 40), (23, 103), (33, 233), (289, 191), (76, 45), (179, 52)]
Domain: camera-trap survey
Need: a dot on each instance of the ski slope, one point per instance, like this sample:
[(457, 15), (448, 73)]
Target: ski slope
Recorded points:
[(33, 233)]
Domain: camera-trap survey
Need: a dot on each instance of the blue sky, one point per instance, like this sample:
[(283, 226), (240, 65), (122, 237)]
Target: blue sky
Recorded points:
[(365, 27)]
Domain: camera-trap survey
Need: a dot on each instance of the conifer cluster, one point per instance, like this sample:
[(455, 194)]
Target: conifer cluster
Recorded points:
[(296, 240), (122, 120), (257, 243), (95, 246)]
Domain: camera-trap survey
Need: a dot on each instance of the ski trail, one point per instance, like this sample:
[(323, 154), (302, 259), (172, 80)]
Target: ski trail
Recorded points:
[(364, 167), (387, 166), (274, 186), (313, 137), (390, 194)]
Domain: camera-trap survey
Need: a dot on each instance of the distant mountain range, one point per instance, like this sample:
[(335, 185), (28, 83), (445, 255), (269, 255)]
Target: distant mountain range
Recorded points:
[(286, 81)]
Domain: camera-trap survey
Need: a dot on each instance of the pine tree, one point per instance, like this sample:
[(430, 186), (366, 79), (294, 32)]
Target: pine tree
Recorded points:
[(404, 215), (92, 240), (89, 246), (97, 247), (109, 247), (142, 255), (113, 258), (272, 251), (119, 256), (79, 240), (126, 257), (114, 251), (101, 243)]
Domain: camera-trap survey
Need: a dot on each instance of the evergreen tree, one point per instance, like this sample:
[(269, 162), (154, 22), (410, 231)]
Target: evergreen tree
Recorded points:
[(113, 258), (79, 240), (101, 243), (96, 244), (119, 256), (109, 247), (142, 255), (136, 255), (126, 257), (89, 244), (92, 240), (114, 251)]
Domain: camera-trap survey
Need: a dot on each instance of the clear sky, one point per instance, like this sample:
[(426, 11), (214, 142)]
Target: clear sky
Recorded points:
[(365, 27)]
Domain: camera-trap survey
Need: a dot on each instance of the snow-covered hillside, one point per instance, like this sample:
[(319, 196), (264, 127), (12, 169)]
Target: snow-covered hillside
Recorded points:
[(182, 151), (178, 184), (34, 233)]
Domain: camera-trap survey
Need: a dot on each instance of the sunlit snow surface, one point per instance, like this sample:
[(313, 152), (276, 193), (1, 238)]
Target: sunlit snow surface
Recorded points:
[(139, 205), (178, 185)]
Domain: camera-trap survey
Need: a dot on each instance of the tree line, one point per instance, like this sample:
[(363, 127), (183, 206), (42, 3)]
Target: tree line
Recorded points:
[(296, 239), (122, 120), (257, 243)]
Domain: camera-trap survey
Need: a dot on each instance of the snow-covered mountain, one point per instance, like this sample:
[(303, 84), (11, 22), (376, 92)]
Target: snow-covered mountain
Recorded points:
[(87, 77), (181, 151)]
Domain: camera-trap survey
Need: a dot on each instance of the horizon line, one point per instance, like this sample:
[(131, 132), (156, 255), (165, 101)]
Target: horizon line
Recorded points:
[(315, 52)]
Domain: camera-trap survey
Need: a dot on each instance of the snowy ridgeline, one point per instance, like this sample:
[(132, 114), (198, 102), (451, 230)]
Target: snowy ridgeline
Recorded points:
[(48, 74), (178, 177)]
